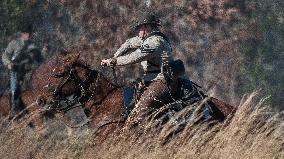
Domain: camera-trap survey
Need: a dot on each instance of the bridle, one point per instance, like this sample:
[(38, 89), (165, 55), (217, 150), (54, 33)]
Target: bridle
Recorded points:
[(65, 103)]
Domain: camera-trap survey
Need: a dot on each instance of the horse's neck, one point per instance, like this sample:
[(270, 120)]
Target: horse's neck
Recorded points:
[(101, 88), (98, 82), (42, 75), (106, 85), (102, 85)]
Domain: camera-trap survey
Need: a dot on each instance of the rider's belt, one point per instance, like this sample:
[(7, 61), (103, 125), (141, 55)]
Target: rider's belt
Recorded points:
[(155, 71)]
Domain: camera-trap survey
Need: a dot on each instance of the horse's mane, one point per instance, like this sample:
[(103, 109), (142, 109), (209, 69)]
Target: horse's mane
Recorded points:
[(41, 76), (74, 58)]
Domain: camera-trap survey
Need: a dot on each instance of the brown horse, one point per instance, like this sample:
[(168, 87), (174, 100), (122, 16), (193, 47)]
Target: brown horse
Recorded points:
[(75, 85), (36, 88), (102, 101), (64, 82)]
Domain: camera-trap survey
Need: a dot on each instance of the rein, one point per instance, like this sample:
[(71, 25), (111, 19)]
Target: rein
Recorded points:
[(114, 75)]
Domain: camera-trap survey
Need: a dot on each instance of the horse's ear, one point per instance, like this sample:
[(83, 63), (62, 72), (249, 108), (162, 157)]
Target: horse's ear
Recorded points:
[(70, 59), (78, 56)]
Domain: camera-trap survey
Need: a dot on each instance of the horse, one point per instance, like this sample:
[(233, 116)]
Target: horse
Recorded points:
[(36, 88), (64, 82), (101, 99)]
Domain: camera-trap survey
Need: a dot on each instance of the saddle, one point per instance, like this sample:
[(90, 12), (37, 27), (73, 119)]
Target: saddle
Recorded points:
[(188, 91)]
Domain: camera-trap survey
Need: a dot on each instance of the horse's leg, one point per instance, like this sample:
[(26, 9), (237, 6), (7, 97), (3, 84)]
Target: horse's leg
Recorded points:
[(101, 134), (4, 105), (29, 101), (107, 117)]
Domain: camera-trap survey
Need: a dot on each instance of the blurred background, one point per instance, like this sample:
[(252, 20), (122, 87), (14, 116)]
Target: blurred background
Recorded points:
[(230, 47)]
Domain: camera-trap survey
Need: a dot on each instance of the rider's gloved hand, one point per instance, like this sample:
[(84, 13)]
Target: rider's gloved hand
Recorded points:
[(104, 62), (108, 62)]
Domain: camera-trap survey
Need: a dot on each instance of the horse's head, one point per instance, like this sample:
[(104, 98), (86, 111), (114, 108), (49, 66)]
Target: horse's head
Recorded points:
[(65, 82), (74, 79), (54, 79), (65, 65), (70, 80)]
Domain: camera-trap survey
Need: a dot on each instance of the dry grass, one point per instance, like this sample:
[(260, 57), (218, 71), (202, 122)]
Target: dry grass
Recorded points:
[(254, 132)]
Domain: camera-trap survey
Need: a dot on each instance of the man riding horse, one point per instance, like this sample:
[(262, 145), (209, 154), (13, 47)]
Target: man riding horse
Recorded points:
[(20, 58), (153, 50)]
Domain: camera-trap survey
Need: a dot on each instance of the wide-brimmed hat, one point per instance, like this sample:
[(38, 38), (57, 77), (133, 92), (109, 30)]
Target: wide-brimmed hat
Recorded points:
[(146, 18)]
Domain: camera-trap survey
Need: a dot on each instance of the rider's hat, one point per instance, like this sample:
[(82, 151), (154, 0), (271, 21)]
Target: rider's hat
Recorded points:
[(25, 26), (147, 18)]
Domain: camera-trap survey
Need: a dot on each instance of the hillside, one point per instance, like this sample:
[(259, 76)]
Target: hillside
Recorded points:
[(229, 47)]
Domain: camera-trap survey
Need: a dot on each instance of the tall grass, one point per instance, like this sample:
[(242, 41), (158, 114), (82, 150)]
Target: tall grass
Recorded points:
[(255, 131)]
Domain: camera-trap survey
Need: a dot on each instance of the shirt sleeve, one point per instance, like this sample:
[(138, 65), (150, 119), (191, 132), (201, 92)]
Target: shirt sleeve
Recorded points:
[(148, 50), (132, 43), (6, 57)]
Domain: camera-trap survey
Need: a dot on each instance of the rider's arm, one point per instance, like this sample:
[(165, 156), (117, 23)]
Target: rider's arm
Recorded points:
[(132, 43), (7, 55), (149, 49), (31, 47)]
